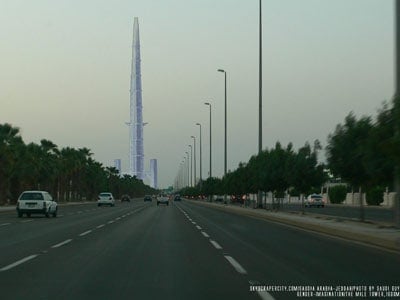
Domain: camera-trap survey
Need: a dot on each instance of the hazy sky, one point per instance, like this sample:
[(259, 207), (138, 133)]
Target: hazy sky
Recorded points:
[(65, 71)]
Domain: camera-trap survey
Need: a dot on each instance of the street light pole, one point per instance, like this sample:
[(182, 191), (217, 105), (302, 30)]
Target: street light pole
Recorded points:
[(201, 157), (396, 105), (184, 173), (188, 180), (260, 100), (209, 104), (191, 165), (225, 154), (194, 152)]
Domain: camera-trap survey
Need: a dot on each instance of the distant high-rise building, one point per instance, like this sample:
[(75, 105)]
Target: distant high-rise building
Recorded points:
[(117, 165), (153, 173), (136, 152)]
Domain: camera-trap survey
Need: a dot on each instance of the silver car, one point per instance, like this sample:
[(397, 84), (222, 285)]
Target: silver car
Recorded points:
[(105, 198), (315, 200), (162, 199)]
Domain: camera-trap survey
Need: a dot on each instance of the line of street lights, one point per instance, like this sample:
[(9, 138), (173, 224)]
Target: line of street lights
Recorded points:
[(193, 147), (225, 123)]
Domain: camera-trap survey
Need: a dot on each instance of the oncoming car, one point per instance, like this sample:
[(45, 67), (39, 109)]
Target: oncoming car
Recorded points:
[(314, 200), (105, 198), (36, 202)]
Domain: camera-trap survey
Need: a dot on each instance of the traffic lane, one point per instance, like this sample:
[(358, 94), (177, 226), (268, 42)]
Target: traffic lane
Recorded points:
[(9, 219), (19, 241), (63, 208), (277, 254), (158, 253)]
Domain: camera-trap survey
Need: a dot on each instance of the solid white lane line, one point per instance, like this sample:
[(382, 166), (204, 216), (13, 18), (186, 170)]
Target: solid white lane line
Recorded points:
[(215, 244), (265, 296), (5, 224), (102, 225), (198, 227), (205, 234), (21, 261), (85, 233), (236, 265), (62, 243)]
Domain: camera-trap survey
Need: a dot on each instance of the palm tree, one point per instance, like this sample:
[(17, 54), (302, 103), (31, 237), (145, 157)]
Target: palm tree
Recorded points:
[(10, 143)]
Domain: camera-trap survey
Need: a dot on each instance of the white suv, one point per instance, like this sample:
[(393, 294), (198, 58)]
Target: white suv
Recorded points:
[(105, 199), (36, 202)]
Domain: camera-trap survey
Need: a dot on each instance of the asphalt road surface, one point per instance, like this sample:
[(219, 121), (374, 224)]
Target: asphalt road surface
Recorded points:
[(140, 250)]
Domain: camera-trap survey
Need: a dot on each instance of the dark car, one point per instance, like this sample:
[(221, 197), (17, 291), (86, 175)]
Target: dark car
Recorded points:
[(125, 198), (177, 198), (148, 198)]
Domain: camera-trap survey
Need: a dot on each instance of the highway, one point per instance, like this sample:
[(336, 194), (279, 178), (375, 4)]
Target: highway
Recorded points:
[(140, 250)]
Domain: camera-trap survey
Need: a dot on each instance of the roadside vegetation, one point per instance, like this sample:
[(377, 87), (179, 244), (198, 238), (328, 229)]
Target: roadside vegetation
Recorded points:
[(69, 174), (361, 152)]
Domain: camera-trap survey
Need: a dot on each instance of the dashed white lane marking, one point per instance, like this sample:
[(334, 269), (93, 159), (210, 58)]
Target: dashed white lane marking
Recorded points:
[(21, 261), (235, 264), (198, 227), (265, 296), (102, 225), (205, 234), (110, 222), (62, 243), (5, 224), (27, 221), (215, 244), (117, 219), (194, 223), (85, 233), (79, 212)]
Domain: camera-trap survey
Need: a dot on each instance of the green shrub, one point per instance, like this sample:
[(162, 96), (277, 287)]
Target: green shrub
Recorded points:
[(337, 194), (375, 195)]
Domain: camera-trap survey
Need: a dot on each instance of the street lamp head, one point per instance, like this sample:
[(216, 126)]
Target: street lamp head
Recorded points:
[(193, 137), (220, 70), (198, 124), (207, 103)]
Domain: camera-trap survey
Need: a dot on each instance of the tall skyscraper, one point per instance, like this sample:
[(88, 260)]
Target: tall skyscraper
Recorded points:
[(136, 152)]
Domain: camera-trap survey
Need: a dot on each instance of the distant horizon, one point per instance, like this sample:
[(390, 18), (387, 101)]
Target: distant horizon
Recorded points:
[(66, 71)]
